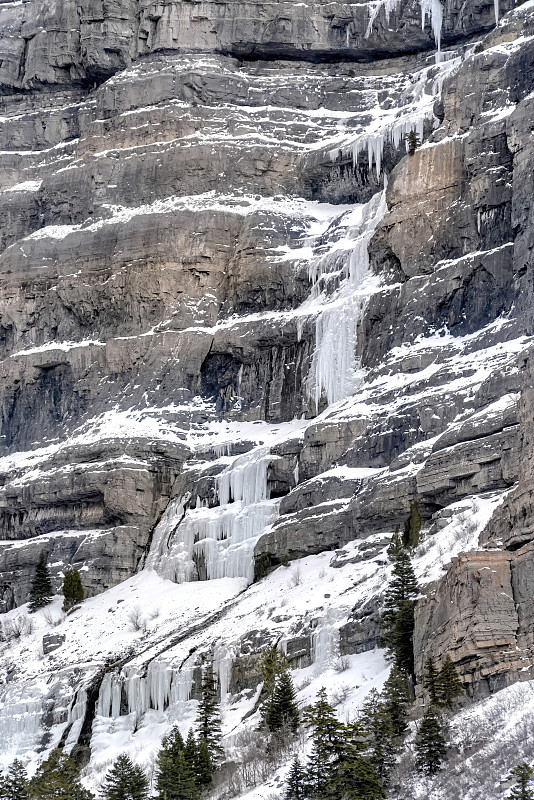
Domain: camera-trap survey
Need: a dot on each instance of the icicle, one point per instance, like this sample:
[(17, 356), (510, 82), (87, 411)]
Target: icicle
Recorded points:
[(109, 697), (388, 5), (434, 10), (158, 685), (246, 479), (496, 9)]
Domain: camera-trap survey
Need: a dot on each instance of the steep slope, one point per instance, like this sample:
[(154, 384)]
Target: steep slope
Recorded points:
[(241, 326)]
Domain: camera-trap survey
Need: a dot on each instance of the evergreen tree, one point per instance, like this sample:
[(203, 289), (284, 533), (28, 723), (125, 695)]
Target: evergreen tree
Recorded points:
[(396, 699), (397, 620), (381, 737), (327, 746), (271, 664), (354, 777), (191, 750), (41, 591), (412, 526), (522, 776), (430, 747), (72, 589), (296, 782), (432, 682), (281, 709), (57, 779), (209, 717), (204, 766), (413, 141), (125, 781), (175, 779), (171, 767), (14, 785), (449, 683), (395, 545)]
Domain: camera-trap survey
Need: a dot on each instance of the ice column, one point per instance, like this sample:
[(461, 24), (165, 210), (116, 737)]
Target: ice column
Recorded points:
[(335, 370), (222, 667), (325, 647), (434, 10)]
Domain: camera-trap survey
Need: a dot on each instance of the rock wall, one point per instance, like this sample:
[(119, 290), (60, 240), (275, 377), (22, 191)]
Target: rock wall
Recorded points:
[(193, 232)]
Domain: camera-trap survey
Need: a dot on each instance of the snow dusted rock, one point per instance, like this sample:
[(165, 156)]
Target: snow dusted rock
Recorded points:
[(51, 642), (240, 328)]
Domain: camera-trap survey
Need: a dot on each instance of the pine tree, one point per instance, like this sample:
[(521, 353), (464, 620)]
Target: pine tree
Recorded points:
[(14, 785), (381, 738), (327, 746), (397, 620), (191, 750), (125, 781), (395, 545), (57, 779), (354, 777), (432, 682), (396, 699), (41, 591), (204, 766), (281, 710), (412, 526), (449, 683), (171, 766), (296, 782), (522, 775), (72, 589), (413, 141), (430, 746), (209, 717), (271, 664)]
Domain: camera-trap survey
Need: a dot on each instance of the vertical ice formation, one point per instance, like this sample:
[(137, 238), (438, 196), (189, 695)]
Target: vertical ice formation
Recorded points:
[(20, 719), (496, 9), (434, 10), (109, 698), (162, 687), (325, 647), (222, 667), (389, 6), (373, 144), (164, 530), (217, 542), (335, 371)]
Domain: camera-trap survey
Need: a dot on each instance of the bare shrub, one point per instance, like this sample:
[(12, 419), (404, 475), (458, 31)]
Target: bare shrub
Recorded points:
[(51, 620), (296, 576), (259, 755), (135, 619), (322, 572), (17, 627), (154, 614), (340, 694), (342, 664)]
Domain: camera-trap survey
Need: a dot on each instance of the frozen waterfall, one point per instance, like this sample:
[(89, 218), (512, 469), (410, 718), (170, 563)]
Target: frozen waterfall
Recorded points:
[(217, 542), (335, 370), (136, 691)]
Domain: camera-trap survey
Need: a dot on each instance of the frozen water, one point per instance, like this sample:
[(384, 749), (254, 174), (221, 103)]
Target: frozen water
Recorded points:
[(335, 371), (217, 542)]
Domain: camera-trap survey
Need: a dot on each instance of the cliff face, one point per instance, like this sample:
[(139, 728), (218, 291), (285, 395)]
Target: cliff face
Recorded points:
[(240, 325)]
